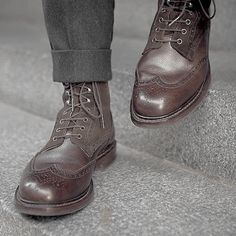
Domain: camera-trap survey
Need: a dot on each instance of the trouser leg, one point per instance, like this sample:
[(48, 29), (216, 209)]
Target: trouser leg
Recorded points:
[(80, 34)]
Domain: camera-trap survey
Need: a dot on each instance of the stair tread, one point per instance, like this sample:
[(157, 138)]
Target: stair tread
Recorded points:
[(205, 140), (138, 195)]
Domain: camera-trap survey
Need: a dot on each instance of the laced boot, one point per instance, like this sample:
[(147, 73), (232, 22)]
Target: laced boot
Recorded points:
[(58, 180), (173, 74)]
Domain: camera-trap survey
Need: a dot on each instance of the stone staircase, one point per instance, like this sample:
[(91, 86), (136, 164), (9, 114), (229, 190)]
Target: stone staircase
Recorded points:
[(175, 180)]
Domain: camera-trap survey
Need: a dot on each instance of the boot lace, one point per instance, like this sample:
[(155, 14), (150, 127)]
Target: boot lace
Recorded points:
[(183, 6), (75, 108)]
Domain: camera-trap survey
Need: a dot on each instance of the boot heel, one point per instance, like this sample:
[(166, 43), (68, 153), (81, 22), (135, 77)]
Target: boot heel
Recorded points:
[(106, 159)]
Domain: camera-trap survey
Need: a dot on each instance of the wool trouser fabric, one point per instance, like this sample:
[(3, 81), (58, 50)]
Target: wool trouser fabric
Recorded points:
[(80, 34)]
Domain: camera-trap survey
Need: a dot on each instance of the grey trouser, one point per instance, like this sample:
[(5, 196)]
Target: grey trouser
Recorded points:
[(80, 34)]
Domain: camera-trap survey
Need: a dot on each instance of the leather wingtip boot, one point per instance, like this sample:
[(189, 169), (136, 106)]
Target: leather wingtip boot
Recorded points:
[(173, 74), (58, 180)]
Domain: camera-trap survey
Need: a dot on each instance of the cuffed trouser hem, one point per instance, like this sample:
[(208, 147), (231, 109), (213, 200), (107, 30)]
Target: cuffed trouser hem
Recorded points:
[(75, 66)]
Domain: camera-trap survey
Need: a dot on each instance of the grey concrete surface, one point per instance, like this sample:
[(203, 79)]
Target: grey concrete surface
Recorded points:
[(145, 192), (132, 18), (139, 195), (205, 140)]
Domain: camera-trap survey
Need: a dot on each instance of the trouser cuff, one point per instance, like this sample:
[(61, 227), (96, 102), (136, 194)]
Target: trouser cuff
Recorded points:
[(75, 66)]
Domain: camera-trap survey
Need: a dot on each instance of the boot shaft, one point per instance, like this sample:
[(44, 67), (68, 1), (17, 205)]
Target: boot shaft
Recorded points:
[(184, 23), (89, 100), (91, 94)]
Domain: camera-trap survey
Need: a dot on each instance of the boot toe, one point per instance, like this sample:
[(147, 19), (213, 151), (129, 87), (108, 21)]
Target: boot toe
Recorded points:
[(156, 103), (32, 190), (49, 188)]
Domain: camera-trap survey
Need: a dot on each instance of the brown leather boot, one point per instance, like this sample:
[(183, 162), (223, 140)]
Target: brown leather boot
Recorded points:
[(58, 180), (173, 74)]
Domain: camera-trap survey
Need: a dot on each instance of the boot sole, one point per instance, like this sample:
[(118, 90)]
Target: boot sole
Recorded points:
[(184, 110), (77, 204)]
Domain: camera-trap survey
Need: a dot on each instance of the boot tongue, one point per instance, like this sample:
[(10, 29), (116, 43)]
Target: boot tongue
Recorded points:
[(193, 4), (172, 3), (82, 93), (72, 96)]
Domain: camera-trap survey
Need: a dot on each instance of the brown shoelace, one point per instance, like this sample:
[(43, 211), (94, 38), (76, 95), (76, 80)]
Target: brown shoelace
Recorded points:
[(75, 108), (183, 5)]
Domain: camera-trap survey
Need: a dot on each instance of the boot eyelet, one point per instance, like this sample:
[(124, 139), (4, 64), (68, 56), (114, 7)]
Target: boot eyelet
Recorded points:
[(85, 119), (157, 29), (61, 121), (89, 89), (82, 128), (179, 41), (190, 5), (163, 10), (88, 100), (188, 22), (161, 20), (154, 40), (184, 31), (58, 130), (68, 102), (79, 136), (54, 139)]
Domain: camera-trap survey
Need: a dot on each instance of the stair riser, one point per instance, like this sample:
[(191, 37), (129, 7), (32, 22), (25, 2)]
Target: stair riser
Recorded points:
[(133, 23)]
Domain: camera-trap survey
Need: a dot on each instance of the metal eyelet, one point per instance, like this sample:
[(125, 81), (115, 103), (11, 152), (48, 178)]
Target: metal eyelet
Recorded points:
[(89, 89), (79, 136), (190, 5), (179, 41), (157, 29), (154, 40), (61, 121), (82, 127), (67, 93), (163, 10), (184, 31), (58, 130), (54, 139), (88, 100), (161, 20), (85, 119), (188, 22)]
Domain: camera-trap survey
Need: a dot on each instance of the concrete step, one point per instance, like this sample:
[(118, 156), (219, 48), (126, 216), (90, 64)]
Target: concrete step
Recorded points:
[(139, 195), (132, 18), (205, 140)]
